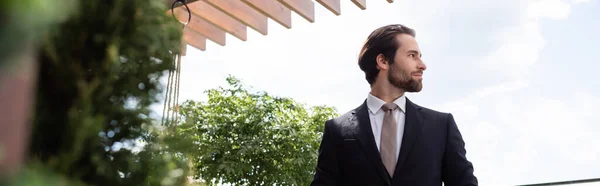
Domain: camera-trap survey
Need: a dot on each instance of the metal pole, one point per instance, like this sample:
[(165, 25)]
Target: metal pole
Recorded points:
[(567, 182)]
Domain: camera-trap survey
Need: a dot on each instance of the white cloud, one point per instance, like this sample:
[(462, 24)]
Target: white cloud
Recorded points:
[(581, 1), (519, 50), (520, 45), (524, 137), (554, 9), (500, 89), (529, 139)]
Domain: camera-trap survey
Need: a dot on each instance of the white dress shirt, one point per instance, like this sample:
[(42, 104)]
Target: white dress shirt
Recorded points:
[(376, 116)]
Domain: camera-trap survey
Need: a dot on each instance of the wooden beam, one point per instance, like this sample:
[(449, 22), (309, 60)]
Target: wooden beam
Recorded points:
[(169, 3), (274, 10), (332, 5), (203, 27), (195, 39), (243, 13), (304, 8), (219, 19), (362, 4)]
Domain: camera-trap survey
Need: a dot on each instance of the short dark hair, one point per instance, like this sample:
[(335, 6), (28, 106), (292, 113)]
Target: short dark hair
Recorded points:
[(380, 41)]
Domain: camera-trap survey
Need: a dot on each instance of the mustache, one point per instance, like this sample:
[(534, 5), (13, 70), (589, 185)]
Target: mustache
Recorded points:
[(417, 72)]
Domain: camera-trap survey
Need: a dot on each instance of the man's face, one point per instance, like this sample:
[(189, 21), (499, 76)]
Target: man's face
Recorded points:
[(407, 70)]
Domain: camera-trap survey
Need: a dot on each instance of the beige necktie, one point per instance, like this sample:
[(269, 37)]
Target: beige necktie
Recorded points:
[(388, 138)]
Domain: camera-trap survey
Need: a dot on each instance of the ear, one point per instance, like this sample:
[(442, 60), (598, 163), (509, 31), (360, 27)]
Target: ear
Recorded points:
[(382, 63)]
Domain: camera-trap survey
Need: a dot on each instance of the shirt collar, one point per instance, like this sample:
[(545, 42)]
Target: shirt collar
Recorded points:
[(374, 104)]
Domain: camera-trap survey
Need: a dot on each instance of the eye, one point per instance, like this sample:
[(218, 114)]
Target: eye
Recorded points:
[(412, 55)]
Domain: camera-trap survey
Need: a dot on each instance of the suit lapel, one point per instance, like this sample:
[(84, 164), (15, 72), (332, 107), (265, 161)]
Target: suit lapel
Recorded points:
[(364, 134), (413, 127)]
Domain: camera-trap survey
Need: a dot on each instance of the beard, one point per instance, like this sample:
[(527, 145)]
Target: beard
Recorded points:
[(402, 79)]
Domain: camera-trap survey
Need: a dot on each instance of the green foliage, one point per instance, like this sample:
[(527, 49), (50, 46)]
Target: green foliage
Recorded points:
[(98, 75), (24, 22), (246, 138)]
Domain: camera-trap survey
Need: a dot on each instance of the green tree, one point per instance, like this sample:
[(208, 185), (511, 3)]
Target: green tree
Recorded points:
[(98, 75), (24, 22), (246, 138)]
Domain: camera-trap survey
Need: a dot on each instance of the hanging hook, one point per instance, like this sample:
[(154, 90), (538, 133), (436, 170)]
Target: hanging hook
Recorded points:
[(186, 8)]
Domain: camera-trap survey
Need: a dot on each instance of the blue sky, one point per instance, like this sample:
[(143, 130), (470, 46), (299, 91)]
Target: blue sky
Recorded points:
[(518, 75)]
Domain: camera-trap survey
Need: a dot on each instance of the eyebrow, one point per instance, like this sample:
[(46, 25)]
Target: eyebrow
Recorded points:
[(416, 52)]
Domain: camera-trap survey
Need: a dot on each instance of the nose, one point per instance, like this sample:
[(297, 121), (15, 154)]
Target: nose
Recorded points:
[(422, 66)]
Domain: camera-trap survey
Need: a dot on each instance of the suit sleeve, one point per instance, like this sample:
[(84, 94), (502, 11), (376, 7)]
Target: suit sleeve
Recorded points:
[(456, 169), (327, 169)]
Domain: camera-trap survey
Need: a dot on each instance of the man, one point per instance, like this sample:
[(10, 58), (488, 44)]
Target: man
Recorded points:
[(389, 140)]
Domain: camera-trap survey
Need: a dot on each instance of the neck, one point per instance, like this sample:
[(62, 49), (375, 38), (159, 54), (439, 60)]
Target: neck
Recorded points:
[(386, 91)]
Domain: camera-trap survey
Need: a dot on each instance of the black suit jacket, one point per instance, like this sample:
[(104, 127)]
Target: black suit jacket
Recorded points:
[(432, 152)]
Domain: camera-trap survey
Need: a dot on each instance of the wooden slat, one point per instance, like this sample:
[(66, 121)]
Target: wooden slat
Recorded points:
[(276, 11), (304, 8), (212, 19), (200, 25), (332, 5), (362, 4), (220, 19), (169, 3), (243, 13), (195, 39)]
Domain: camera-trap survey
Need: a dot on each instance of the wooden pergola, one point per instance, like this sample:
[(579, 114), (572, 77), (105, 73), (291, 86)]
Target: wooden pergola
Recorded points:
[(212, 19)]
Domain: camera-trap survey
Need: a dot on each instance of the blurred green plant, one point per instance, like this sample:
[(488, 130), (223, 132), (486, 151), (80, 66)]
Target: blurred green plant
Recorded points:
[(99, 72), (24, 22), (246, 138)]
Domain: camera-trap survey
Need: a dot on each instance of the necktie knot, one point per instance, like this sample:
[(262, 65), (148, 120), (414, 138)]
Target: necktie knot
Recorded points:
[(389, 107)]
